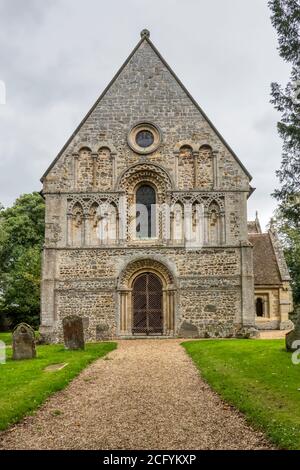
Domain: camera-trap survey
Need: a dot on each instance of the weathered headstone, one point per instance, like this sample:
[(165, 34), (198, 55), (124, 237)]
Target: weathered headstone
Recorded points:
[(103, 332), (73, 332), (2, 352), (292, 336), (23, 342)]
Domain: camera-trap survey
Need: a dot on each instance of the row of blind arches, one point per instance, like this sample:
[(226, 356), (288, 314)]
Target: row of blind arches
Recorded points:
[(102, 223)]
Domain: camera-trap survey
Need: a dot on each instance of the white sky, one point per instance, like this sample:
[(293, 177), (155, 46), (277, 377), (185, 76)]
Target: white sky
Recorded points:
[(57, 56)]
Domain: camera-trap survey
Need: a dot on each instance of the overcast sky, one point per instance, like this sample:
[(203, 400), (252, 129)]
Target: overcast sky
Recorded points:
[(57, 56)]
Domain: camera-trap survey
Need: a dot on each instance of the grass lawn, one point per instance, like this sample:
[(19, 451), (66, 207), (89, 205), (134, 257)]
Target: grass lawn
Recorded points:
[(257, 377), (24, 385), (6, 337)]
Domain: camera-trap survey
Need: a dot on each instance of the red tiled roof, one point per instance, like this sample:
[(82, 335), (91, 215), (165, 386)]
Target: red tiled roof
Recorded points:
[(264, 260)]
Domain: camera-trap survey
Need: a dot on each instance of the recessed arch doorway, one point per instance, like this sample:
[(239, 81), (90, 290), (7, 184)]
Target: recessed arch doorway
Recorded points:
[(147, 313), (146, 299)]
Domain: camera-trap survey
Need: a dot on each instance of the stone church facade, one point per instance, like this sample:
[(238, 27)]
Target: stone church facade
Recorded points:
[(129, 273)]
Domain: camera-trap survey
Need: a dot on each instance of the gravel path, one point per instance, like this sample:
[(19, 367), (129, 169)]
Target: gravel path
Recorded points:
[(147, 394)]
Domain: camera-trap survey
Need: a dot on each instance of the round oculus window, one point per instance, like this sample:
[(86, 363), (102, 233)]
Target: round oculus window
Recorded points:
[(144, 138)]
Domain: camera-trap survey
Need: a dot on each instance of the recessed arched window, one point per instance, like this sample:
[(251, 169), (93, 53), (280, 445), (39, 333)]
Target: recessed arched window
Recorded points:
[(259, 307), (145, 211)]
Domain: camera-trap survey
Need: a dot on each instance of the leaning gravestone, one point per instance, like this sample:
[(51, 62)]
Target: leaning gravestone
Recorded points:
[(73, 332), (23, 342), (292, 336)]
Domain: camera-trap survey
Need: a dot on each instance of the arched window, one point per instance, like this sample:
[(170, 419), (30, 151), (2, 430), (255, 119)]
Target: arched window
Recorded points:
[(77, 225), (259, 307), (145, 212), (178, 223), (214, 224)]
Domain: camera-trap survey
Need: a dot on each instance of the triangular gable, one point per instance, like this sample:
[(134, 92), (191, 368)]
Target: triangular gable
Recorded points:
[(145, 37)]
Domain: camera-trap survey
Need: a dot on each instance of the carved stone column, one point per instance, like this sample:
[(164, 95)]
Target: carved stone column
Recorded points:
[(131, 217), (122, 214), (172, 222), (176, 157), (169, 312), (69, 229), (187, 225), (125, 322), (206, 222), (113, 165), (75, 169), (95, 159), (215, 169), (222, 228), (195, 154), (85, 228)]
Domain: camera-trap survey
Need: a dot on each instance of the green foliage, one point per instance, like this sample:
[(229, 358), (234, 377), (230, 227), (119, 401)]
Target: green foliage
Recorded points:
[(24, 385), (21, 241), (289, 234), (259, 378), (285, 17)]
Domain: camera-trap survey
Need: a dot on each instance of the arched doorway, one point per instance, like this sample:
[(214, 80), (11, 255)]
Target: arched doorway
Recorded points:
[(146, 301), (147, 305)]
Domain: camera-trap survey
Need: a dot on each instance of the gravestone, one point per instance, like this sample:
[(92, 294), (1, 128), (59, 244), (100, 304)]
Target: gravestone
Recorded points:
[(102, 332), (23, 342), (73, 332), (2, 352), (292, 336)]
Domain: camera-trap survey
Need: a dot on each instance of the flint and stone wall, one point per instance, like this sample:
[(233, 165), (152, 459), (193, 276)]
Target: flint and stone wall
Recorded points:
[(212, 287)]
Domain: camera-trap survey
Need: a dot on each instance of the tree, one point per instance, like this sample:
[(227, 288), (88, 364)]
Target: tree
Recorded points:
[(290, 237), (21, 241), (285, 17)]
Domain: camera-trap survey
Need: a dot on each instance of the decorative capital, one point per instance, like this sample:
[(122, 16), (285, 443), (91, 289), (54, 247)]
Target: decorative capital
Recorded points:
[(145, 33)]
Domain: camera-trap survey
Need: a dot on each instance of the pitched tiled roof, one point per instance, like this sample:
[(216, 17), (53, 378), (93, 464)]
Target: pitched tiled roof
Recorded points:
[(252, 227), (265, 263)]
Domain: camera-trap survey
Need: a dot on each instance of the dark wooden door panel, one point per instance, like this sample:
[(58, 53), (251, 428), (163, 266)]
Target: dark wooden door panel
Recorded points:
[(147, 305)]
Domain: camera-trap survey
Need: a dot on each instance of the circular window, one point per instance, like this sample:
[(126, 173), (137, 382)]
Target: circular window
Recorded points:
[(144, 138)]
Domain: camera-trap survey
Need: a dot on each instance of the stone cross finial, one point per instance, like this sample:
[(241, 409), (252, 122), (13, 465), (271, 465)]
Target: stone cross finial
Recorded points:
[(145, 33)]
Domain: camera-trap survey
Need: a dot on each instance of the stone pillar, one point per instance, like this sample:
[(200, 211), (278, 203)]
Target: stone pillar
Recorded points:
[(215, 169), (69, 229), (285, 306), (247, 285), (222, 228), (48, 304), (205, 229), (131, 221), (187, 226), (113, 164), (125, 311), (85, 230), (172, 221), (176, 157), (95, 159), (169, 311), (75, 169), (122, 214), (195, 154)]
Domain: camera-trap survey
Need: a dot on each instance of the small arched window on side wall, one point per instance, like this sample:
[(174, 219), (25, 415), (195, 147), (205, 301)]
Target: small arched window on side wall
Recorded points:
[(145, 212), (259, 307)]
